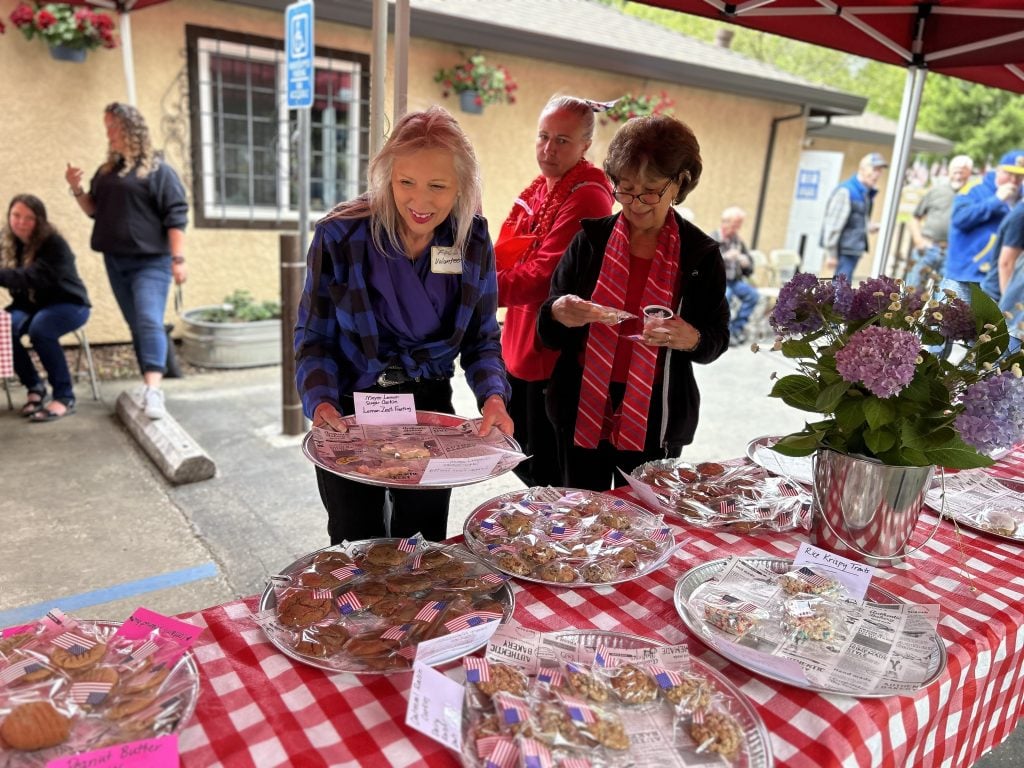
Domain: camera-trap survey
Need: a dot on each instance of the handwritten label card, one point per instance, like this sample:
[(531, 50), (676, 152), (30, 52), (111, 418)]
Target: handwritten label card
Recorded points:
[(854, 576), (161, 752), (441, 471), (384, 408), (144, 621), (435, 706), (644, 492)]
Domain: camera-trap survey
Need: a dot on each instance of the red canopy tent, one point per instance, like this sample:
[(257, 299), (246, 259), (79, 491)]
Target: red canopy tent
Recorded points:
[(977, 40), (123, 8)]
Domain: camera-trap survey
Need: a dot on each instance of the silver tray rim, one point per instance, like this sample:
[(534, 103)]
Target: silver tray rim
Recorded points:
[(763, 440), (705, 572), (470, 539), (309, 451), (738, 697), (268, 600)]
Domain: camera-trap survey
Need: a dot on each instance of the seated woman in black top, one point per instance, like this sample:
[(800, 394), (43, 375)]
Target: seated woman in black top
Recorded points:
[(38, 268)]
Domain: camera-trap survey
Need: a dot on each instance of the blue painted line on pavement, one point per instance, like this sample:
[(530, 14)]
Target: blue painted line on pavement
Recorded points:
[(72, 603)]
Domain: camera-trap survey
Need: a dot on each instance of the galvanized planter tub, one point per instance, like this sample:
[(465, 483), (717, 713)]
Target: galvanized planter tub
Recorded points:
[(229, 345)]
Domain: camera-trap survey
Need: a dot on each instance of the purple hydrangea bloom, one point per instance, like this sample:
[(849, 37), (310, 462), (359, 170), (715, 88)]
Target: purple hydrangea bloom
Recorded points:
[(796, 310), (842, 297), (882, 359), (957, 320), (993, 415), (866, 304)]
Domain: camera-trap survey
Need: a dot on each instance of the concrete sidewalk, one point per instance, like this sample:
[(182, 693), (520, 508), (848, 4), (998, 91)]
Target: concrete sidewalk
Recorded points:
[(93, 528)]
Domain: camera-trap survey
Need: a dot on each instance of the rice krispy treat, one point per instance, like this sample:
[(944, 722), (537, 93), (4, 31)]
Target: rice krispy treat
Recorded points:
[(805, 580), (716, 731), (811, 619), (733, 614)]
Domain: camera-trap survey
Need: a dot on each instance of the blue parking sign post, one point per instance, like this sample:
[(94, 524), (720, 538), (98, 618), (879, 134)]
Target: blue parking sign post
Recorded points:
[(298, 37)]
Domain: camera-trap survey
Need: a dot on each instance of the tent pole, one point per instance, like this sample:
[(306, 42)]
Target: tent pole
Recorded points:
[(912, 90), (378, 67), (401, 73), (125, 24)]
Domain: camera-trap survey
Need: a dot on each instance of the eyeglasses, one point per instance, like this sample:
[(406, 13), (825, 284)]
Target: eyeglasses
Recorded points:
[(647, 198)]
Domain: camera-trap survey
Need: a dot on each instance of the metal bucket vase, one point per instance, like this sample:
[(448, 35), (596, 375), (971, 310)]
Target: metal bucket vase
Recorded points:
[(865, 510)]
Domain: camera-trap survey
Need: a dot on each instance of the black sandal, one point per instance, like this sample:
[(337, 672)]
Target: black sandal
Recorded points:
[(45, 414), (34, 406)]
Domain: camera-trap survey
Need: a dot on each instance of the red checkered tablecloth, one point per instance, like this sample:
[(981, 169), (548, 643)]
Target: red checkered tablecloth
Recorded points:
[(6, 355), (260, 708)]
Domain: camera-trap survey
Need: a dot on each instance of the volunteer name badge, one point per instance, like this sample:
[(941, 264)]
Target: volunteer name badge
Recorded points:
[(445, 260)]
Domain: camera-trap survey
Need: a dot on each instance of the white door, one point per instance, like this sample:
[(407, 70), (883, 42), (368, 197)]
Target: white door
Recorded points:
[(816, 177)]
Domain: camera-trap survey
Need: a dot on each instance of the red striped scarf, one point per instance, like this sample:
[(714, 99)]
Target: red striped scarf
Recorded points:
[(627, 429)]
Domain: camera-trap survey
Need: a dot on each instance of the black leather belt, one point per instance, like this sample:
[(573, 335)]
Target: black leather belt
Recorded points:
[(394, 375)]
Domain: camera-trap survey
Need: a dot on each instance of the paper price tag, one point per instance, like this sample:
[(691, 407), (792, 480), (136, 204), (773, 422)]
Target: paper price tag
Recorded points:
[(441, 471), (161, 752), (435, 706)]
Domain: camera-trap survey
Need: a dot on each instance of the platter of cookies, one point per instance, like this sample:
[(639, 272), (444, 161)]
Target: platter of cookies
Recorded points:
[(438, 451), (801, 625), (364, 606), (568, 537), (84, 687), (610, 699), (739, 498)]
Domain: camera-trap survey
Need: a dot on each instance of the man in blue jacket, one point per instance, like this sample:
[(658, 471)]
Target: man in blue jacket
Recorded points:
[(978, 210), (844, 233)]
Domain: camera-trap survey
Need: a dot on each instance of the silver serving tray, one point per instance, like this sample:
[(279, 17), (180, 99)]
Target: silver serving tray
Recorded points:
[(696, 577), (797, 468), (758, 747), (422, 417), (479, 547), (268, 601), (968, 522), (185, 674)]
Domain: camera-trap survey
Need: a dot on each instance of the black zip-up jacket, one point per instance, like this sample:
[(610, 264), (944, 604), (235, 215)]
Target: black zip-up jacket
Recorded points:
[(52, 278), (702, 304)]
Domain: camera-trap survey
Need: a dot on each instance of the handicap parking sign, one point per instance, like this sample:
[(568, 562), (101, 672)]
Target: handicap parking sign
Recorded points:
[(298, 35)]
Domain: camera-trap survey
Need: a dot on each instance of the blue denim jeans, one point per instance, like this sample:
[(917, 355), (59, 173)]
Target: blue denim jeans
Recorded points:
[(140, 285), (933, 258), (748, 296), (845, 265), (44, 329)]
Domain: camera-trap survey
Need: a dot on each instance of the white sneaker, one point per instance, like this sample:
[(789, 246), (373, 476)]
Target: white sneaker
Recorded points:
[(153, 403)]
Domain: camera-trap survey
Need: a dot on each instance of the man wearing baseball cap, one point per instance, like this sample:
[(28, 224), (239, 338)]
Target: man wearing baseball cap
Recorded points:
[(844, 233), (978, 210)]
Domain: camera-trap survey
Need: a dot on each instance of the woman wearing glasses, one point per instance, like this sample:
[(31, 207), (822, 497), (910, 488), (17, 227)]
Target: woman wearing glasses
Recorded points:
[(623, 394)]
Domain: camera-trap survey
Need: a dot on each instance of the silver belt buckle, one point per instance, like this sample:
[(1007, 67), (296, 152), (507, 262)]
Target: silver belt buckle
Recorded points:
[(391, 377)]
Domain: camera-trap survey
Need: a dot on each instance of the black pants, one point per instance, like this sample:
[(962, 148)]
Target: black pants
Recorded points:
[(359, 511), (534, 433), (597, 469)]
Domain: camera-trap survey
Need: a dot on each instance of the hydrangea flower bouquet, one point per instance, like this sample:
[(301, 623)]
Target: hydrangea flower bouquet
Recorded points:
[(864, 363)]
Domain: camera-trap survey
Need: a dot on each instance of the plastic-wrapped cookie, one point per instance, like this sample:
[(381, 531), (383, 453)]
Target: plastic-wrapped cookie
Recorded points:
[(303, 608), (408, 583), (556, 571), (538, 552), (516, 523), (322, 642), (35, 725), (716, 731), (385, 554), (510, 562), (633, 685), (599, 571), (616, 520)]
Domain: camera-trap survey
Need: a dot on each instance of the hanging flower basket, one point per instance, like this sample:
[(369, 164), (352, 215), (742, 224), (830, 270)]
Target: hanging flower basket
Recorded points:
[(69, 32), (637, 105), (477, 83)]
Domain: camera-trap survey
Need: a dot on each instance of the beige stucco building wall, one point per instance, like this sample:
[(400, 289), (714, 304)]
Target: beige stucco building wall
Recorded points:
[(53, 114)]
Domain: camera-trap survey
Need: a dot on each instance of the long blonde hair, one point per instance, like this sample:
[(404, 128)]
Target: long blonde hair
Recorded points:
[(139, 150), (9, 243), (433, 128)]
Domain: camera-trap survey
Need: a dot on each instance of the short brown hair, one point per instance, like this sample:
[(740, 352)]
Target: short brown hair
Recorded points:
[(657, 146)]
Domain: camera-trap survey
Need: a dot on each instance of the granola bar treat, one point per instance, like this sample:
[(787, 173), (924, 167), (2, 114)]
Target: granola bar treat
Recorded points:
[(716, 731), (633, 685), (581, 682), (491, 677), (687, 690)]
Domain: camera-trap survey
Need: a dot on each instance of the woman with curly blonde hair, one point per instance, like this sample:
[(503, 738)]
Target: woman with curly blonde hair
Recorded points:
[(140, 213), (48, 301)]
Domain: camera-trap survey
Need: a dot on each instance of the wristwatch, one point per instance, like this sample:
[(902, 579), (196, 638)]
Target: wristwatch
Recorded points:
[(177, 258)]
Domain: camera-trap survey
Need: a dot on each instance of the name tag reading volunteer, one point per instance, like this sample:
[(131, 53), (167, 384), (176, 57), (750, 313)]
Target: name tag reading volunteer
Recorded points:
[(384, 408), (445, 260)]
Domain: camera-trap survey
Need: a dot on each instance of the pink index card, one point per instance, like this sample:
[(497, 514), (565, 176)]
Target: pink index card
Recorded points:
[(19, 630), (142, 623), (161, 752)]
